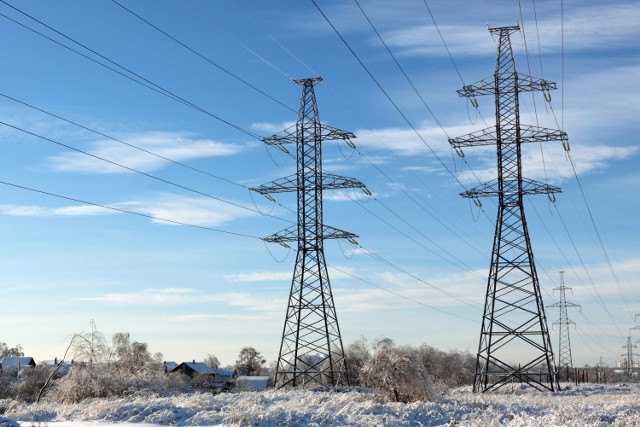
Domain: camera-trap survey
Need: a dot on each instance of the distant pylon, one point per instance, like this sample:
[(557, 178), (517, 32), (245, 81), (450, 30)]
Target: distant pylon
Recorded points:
[(514, 324), (564, 346), (311, 352), (628, 369)]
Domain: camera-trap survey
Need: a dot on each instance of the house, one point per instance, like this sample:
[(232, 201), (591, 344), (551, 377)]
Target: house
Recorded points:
[(192, 368), (16, 364), (62, 367), (246, 383), (227, 376), (221, 376), (169, 366)]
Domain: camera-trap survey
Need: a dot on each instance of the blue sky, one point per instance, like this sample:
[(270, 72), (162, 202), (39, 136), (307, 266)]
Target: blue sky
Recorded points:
[(419, 274)]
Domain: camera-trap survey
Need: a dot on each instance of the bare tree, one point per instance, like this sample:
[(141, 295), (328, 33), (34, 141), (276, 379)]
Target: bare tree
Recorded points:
[(249, 362), (356, 355), (90, 346), (212, 361), (6, 351), (398, 373)]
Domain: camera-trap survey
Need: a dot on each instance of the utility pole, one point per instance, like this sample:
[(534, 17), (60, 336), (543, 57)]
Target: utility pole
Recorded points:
[(311, 351), (514, 324), (564, 360)]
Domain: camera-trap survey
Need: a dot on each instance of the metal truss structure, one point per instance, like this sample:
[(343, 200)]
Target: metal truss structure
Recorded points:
[(311, 352), (564, 345), (514, 324)]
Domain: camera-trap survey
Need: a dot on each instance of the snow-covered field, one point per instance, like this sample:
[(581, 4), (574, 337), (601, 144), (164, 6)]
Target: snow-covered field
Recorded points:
[(583, 405)]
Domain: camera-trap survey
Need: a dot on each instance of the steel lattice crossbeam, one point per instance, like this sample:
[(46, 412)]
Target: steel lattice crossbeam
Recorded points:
[(311, 352), (514, 323)]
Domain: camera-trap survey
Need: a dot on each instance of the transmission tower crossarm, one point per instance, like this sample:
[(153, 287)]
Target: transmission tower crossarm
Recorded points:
[(281, 185), (489, 135), (332, 182), (492, 188), (487, 86), (290, 184), (290, 135), (290, 234)]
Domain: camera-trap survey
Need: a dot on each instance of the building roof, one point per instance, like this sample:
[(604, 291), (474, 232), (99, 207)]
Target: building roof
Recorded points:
[(197, 367), (16, 362), (253, 383), (170, 366)]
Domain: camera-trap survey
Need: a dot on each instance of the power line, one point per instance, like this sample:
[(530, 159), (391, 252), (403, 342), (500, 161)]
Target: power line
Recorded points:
[(144, 150), (113, 208), (406, 119), (461, 264), (148, 175), (133, 76), (368, 282), (413, 276), (221, 68)]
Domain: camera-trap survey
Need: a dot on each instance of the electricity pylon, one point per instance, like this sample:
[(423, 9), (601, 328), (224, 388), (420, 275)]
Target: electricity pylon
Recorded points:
[(311, 352), (628, 369), (514, 324), (564, 346)]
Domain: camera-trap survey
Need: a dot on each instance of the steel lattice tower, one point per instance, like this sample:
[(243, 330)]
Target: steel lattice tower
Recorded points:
[(311, 352), (564, 345), (514, 322), (628, 369)]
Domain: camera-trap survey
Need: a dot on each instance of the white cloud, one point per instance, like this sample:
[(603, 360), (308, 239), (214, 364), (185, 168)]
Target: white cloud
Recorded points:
[(554, 165), (594, 27), (41, 211), (259, 276), (405, 141), (587, 27), (271, 128), (164, 206), (189, 297), (177, 146), (191, 210)]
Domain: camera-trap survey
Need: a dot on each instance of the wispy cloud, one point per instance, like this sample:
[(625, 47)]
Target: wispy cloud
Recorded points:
[(259, 276), (163, 206), (191, 210), (587, 27), (178, 146), (185, 296), (553, 164), (42, 211), (405, 141)]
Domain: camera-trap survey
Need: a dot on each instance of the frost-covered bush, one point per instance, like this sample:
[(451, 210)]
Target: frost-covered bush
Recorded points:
[(106, 380), (32, 382), (447, 369), (397, 372), (356, 355), (8, 383)]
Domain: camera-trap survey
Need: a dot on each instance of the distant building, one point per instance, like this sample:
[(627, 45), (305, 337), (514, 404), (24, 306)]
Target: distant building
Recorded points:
[(16, 364), (192, 368), (623, 364), (246, 383), (222, 376), (169, 366), (62, 367)]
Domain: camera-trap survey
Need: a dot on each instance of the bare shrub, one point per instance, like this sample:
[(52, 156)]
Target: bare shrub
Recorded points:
[(32, 381), (397, 372)]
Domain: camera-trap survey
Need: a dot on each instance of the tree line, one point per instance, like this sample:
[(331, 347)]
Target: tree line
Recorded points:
[(124, 366)]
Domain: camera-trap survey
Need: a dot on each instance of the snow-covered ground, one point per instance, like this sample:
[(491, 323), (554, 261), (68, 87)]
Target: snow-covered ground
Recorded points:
[(584, 405)]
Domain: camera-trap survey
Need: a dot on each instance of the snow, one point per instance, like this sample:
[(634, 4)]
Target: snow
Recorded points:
[(583, 405)]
